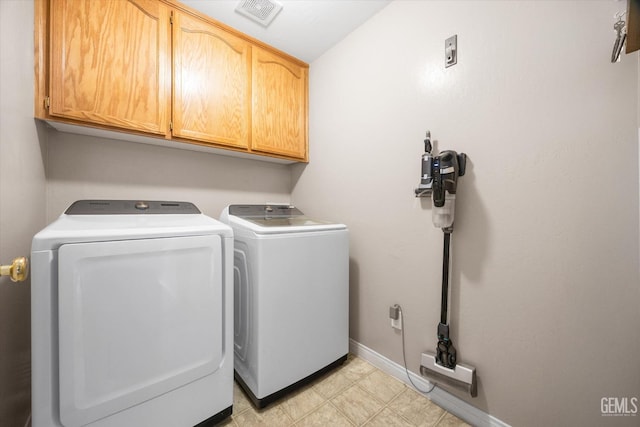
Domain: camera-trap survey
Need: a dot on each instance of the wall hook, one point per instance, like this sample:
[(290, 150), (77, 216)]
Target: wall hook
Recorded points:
[(620, 28)]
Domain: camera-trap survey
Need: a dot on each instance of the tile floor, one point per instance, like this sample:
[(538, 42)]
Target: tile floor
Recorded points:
[(354, 394)]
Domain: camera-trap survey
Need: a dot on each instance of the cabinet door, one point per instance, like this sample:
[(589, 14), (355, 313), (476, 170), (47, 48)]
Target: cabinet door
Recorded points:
[(279, 114), (211, 83), (110, 63)]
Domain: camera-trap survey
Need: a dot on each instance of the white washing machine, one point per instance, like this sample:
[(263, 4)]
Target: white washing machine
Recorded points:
[(291, 296), (131, 316)]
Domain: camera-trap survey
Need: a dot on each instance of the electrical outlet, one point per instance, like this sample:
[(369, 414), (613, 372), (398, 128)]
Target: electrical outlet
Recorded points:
[(396, 323), (396, 318)]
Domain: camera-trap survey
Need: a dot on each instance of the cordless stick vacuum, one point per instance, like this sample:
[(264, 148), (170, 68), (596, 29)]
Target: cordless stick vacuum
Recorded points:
[(439, 179)]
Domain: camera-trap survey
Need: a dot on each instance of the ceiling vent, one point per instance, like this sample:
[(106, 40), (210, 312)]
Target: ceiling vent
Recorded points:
[(260, 11)]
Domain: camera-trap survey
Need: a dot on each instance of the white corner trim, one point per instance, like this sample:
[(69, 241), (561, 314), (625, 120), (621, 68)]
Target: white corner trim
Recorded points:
[(445, 400)]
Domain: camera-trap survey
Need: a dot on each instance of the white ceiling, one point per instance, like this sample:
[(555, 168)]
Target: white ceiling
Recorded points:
[(304, 29)]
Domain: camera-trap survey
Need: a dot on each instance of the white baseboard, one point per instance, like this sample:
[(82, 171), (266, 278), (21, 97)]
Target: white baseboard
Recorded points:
[(445, 400)]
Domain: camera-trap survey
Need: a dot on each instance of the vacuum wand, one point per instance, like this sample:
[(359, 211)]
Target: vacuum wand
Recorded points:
[(446, 352), (445, 278)]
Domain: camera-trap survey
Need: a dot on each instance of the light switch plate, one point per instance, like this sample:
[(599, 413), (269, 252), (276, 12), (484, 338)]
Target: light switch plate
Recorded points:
[(451, 51)]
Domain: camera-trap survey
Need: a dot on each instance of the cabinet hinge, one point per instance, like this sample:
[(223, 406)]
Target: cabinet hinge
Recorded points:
[(171, 126), (171, 18), (47, 102)]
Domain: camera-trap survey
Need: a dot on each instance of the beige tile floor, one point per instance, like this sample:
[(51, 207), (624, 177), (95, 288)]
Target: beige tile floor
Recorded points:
[(354, 394)]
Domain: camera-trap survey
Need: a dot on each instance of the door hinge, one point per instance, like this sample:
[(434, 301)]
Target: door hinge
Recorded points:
[(47, 102)]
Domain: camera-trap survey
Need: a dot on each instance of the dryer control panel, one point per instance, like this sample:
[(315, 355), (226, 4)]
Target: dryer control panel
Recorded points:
[(130, 207)]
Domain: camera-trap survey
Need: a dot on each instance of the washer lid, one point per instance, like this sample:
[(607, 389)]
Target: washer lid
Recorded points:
[(93, 227), (275, 219)]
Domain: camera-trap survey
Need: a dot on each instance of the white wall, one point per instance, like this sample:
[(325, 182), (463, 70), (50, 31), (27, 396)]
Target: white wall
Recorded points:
[(545, 281), (22, 203)]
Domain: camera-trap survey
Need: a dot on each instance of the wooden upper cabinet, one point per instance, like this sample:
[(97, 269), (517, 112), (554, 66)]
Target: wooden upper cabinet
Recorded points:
[(211, 83), (161, 69), (279, 107), (110, 63)]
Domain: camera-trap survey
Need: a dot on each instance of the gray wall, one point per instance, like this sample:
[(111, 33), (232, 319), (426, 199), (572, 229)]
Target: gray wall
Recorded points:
[(545, 281), (22, 203), (84, 167), (545, 268)]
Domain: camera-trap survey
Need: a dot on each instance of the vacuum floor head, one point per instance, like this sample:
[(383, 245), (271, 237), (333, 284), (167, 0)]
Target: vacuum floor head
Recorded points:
[(461, 377)]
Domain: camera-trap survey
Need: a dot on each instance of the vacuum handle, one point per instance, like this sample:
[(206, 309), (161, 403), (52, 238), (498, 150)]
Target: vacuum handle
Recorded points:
[(427, 143)]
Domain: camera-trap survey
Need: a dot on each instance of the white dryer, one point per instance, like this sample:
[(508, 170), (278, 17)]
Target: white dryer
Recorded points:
[(131, 311), (291, 296)]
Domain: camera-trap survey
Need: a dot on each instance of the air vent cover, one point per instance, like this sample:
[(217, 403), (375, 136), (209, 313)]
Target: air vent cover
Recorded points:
[(260, 11)]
